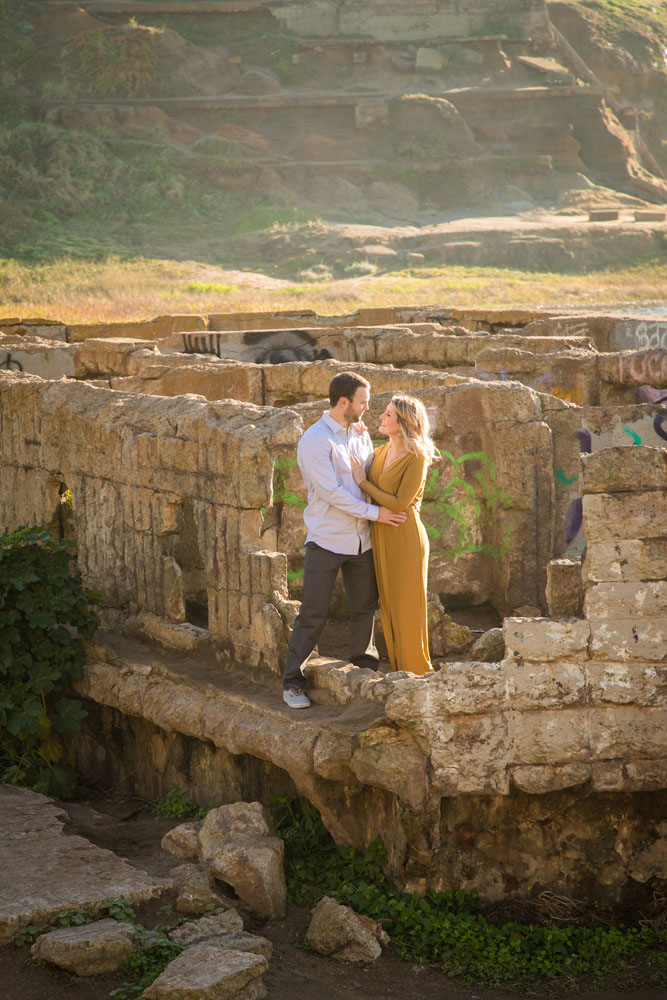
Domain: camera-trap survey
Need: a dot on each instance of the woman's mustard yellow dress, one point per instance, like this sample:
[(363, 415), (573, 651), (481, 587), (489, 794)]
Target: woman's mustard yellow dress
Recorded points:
[(401, 558)]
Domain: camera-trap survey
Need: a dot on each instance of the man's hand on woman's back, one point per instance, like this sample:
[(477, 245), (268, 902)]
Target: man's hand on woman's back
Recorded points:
[(388, 517)]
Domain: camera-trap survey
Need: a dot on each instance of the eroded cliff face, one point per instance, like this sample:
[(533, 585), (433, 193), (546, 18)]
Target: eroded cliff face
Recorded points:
[(544, 769), (376, 124)]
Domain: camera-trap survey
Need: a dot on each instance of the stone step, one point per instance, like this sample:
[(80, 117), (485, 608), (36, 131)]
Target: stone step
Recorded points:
[(300, 99), (188, 7)]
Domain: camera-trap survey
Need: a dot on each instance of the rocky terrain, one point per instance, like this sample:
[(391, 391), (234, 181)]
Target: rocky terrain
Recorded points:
[(332, 140)]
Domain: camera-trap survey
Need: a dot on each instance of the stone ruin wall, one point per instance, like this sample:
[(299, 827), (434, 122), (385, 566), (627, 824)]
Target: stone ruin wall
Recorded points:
[(187, 512), (387, 19)]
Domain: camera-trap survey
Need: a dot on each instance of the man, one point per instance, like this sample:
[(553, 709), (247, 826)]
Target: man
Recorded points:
[(338, 534)]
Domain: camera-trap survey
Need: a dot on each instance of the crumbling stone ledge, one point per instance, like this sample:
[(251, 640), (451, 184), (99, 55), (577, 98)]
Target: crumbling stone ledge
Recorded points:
[(490, 744)]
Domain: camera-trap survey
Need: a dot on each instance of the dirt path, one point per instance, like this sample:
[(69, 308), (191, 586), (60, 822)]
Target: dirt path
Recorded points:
[(127, 827)]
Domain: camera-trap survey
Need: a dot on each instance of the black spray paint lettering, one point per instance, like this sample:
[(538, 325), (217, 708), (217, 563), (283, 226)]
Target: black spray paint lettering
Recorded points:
[(11, 364), (267, 347)]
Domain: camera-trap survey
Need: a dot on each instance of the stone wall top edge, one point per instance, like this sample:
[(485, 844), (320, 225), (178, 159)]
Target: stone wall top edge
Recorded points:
[(99, 399)]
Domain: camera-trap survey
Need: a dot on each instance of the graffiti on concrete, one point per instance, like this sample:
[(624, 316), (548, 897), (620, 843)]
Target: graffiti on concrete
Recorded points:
[(641, 432), (642, 335), (10, 364), (462, 500), (643, 369), (659, 422), (262, 347)]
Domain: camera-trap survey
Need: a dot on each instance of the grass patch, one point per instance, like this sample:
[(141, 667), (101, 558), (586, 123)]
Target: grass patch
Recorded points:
[(115, 287), (449, 930), (630, 15)]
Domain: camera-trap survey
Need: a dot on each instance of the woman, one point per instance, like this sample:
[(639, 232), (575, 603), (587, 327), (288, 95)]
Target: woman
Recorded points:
[(396, 480)]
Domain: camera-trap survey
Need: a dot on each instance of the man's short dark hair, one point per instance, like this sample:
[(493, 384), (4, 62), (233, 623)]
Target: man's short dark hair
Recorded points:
[(345, 384)]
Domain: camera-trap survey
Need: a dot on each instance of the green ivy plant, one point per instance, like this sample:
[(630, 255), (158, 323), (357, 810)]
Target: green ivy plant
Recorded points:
[(41, 602)]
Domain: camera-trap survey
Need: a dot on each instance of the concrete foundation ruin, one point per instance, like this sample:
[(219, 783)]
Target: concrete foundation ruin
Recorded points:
[(166, 450)]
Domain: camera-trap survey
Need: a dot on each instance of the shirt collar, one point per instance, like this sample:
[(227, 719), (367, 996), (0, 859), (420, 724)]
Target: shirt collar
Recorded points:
[(333, 424)]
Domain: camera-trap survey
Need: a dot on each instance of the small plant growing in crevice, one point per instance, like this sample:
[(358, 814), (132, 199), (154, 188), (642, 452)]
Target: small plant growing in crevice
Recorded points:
[(176, 805), (41, 602)]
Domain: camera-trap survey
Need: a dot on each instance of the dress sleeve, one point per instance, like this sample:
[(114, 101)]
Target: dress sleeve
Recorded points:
[(409, 487)]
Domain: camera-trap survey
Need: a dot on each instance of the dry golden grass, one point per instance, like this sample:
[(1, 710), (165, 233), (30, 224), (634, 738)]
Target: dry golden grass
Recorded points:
[(115, 289)]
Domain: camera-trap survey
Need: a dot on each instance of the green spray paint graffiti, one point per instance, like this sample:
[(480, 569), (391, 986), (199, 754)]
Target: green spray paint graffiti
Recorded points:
[(636, 440), (465, 506)]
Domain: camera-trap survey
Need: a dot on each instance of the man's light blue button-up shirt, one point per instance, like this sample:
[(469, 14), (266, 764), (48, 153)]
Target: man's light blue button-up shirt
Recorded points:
[(337, 515)]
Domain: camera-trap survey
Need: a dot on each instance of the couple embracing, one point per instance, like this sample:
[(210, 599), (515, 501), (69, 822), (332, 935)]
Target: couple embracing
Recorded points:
[(363, 518)]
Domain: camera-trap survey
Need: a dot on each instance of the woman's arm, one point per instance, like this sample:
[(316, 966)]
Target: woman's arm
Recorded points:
[(408, 488)]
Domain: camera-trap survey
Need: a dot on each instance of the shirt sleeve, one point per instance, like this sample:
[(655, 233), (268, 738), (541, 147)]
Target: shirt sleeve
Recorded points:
[(409, 487), (318, 470)]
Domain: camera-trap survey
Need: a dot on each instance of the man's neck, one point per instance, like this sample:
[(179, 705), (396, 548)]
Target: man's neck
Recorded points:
[(339, 420)]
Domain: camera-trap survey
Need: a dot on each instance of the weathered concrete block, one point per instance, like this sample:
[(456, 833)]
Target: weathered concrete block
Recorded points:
[(458, 688), (546, 639), (89, 950), (392, 756), (626, 684), (564, 588), (626, 559), (540, 779), (608, 517), (611, 601), (622, 731), (470, 753), (545, 685), (629, 639), (550, 737), (204, 972), (614, 470), (608, 775), (646, 775)]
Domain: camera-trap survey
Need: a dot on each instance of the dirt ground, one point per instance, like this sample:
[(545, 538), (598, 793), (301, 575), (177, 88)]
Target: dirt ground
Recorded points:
[(126, 826)]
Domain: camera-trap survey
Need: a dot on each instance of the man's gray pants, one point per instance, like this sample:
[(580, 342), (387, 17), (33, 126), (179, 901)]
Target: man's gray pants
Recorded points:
[(320, 570)]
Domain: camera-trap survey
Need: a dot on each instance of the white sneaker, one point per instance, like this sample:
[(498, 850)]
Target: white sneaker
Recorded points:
[(295, 697)]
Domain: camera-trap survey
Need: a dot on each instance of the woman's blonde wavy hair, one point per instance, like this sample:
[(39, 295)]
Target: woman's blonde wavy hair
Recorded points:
[(415, 428)]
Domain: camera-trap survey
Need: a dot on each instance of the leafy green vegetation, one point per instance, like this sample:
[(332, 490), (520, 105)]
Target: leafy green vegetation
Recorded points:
[(152, 952), (448, 929), (633, 15), (176, 805), (113, 60), (40, 601)]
